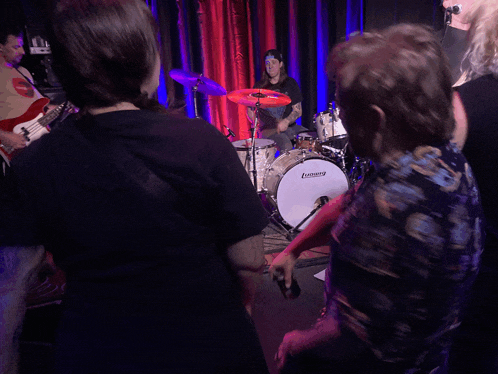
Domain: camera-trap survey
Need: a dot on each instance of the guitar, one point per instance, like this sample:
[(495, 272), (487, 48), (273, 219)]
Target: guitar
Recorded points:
[(33, 124)]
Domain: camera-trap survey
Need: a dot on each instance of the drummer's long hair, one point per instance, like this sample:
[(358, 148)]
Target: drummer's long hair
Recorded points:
[(104, 51), (265, 79)]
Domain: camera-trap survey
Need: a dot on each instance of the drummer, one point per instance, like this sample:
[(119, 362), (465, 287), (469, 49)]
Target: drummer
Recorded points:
[(279, 123)]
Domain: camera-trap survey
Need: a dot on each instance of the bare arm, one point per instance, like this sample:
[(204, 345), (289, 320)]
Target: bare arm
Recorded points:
[(316, 234), (461, 121), (324, 332), (284, 123), (250, 114), (247, 260)]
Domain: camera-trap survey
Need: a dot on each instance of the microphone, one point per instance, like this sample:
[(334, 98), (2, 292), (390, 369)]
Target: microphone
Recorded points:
[(230, 132), (455, 9)]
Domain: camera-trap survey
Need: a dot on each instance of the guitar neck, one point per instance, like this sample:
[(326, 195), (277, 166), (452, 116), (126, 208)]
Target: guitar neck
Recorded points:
[(53, 114)]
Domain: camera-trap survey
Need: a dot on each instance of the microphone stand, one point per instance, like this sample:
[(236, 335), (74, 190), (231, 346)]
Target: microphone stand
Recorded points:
[(323, 200), (448, 16)]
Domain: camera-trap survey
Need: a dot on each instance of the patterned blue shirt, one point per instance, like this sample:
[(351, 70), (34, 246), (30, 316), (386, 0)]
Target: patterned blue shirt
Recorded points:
[(405, 253)]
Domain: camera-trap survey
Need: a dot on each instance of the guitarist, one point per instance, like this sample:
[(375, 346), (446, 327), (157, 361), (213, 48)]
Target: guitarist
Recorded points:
[(16, 96), (16, 92)]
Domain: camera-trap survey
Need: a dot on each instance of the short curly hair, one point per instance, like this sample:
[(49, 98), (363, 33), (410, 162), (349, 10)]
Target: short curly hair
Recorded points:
[(402, 70)]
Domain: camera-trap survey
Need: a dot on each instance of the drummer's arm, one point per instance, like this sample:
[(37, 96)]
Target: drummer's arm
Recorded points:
[(250, 114), (284, 123)]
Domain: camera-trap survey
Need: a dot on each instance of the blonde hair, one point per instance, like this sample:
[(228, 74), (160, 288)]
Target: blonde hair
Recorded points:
[(482, 51)]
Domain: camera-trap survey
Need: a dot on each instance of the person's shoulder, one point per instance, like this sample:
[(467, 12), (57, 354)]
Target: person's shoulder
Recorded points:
[(488, 80), (22, 72), (192, 130)]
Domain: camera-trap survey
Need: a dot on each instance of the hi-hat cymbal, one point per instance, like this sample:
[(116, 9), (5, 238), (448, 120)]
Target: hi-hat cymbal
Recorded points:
[(265, 98), (203, 84)]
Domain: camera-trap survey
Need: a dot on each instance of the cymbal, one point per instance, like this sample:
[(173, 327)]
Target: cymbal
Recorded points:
[(203, 84), (266, 98)]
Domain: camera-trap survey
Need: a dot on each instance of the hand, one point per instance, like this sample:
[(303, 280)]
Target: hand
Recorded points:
[(12, 140), (323, 335), (282, 125), (283, 263), (291, 344)]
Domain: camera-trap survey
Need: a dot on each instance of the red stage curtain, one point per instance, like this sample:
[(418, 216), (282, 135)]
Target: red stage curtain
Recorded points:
[(266, 21), (227, 50)]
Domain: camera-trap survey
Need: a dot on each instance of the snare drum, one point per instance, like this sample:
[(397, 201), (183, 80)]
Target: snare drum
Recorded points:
[(306, 140), (298, 180), (265, 150), (329, 126)]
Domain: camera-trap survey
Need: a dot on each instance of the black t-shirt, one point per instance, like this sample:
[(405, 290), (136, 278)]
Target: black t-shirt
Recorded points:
[(479, 98), (455, 44), (138, 208), (269, 116)]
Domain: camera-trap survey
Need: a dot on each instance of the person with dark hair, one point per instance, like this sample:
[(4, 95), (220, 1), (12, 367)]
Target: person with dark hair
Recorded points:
[(162, 247), (279, 124), (18, 268), (476, 113), (16, 91), (406, 241)]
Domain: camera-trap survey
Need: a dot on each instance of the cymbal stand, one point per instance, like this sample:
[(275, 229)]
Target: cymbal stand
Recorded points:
[(194, 90), (253, 144), (342, 157)]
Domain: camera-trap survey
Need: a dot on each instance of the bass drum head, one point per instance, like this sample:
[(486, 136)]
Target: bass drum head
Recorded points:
[(300, 188)]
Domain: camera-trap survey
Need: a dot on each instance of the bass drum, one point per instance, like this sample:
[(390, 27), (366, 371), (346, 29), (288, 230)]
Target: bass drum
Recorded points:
[(298, 181)]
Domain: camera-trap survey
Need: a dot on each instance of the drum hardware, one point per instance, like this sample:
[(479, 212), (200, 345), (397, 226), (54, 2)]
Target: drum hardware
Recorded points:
[(199, 83), (260, 99), (339, 155), (358, 170), (323, 200)]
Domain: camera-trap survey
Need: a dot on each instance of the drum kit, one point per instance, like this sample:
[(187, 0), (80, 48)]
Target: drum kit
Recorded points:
[(297, 183)]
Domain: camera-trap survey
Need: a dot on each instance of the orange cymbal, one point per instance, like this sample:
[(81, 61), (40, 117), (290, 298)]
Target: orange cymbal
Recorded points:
[(265, 98)]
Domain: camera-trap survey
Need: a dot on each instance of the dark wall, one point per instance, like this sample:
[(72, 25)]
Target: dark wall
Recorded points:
[(382, 13)]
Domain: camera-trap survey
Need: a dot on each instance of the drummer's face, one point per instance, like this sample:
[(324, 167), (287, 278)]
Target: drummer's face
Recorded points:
[(273, 67)]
